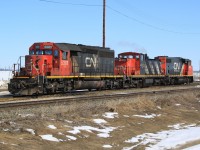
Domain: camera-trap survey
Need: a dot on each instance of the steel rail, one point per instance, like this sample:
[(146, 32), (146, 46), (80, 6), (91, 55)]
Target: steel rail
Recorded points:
[(33, 102)]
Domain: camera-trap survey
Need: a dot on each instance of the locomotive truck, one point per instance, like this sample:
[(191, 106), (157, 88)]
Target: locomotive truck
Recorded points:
[(61, 67)]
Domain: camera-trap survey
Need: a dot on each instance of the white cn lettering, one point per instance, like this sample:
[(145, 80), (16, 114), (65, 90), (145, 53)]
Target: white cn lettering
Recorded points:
[(89, 61), (177, 66)]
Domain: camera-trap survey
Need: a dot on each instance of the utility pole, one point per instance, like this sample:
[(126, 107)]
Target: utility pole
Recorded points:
[(104, 23), (199, 72), (199, 65)]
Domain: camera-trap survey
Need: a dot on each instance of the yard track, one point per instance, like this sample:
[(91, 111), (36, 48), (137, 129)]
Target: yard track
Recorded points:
[(81, 98), (9, 97)]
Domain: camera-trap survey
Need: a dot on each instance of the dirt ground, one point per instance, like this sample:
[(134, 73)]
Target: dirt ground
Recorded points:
[(22, 128)]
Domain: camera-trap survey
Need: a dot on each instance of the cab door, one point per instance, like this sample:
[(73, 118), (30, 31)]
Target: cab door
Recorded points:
[(56, 59), (65, 67), (137, 64)]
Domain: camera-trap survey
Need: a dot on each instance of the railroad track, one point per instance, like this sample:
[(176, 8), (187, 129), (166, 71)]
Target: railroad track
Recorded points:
[(8, 97), (67, 99)]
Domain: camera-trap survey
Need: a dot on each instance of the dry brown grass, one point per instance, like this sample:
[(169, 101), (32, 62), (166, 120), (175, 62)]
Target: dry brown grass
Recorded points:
[(83, 113)]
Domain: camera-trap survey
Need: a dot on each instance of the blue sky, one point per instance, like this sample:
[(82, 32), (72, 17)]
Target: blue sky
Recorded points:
[(155, 27)]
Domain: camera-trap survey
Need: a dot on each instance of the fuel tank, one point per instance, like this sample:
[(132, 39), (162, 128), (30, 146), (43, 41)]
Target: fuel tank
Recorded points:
[(78, 85)]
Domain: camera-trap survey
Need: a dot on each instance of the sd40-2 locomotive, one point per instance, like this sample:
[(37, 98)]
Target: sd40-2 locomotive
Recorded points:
[(52, 67)]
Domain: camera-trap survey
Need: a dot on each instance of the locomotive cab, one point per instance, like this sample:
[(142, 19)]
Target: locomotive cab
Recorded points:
[(46, 59), (128, 63)]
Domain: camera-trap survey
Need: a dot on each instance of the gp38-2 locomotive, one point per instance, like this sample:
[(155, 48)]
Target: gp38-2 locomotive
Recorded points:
[(53, 67)]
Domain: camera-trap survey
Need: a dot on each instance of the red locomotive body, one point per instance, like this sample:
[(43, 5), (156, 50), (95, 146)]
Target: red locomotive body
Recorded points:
[(127, 64), (47, 59), (52, 67)]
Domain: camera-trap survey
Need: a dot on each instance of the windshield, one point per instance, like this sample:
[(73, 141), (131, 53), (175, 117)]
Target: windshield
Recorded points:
[(39, 52), (126, 56), (48, 52), (31, 52)]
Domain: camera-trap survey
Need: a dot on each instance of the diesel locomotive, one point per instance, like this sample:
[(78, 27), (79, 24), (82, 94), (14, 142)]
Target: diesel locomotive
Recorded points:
[(61, 67)]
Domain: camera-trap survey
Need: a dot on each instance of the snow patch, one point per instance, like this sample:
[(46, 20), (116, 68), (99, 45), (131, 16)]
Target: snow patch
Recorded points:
[(177, 104), (191, 125), (5, 130), (180, 126), (147, 116), (52, 127), (99, 121), (103, 135), (110, 115), (107, 146), (126, 116), (4, 93), (5, 75), (196, 147), (68, 121), (49, 137), (158, 107), (140, 122), (31, 131), (176, 126), (166, 139), (60, 133), (71, 137), (103, 132), (2, 83)]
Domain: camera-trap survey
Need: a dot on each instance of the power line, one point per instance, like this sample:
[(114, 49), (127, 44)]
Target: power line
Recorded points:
[(149, 25), (124, 15)]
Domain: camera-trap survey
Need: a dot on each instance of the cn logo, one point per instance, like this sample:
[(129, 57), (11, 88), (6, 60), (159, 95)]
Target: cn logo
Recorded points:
[(89, 61), (177, 66)]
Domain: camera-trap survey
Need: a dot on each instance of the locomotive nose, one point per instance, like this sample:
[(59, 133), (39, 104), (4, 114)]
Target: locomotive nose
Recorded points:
[(32, 65), (38, 64), (28, 64)]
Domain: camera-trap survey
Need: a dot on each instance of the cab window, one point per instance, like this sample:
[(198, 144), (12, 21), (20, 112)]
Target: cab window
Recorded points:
[(39, 52), (31, 52), (130, 56), (48, 52), (55, 54), (64, 55)]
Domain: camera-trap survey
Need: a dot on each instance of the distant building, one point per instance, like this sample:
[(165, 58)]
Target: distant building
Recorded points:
[(196, 75), (5, 75), (5, 69)]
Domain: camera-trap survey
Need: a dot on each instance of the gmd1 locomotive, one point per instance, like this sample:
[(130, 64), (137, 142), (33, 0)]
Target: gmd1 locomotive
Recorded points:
[(53, 67)]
